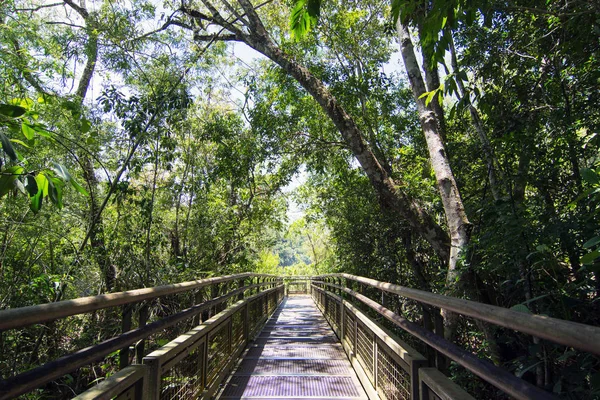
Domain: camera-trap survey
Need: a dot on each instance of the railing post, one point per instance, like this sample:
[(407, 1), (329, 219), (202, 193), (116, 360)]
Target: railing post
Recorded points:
[(197, 300), (441, 362), (154, 378), (241, 283), (205, 297), (427, 324), (246, 322), (214, 292), (143, 319), (376, 361), (125, 327)]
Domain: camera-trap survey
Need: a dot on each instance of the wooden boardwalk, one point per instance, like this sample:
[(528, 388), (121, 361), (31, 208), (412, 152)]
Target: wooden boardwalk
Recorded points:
[(296, 356)]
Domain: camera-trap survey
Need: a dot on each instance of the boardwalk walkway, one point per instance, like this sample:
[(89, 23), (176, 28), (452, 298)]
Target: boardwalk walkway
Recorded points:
[(296, 356)]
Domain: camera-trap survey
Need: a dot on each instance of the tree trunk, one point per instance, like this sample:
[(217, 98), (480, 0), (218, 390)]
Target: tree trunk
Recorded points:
[(456, 217), (389, 194), (96, 226)]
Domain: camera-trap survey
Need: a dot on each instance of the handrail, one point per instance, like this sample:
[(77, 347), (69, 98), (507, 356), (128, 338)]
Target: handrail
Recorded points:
[(497, 376), (26, 381), (573, 334), (19, 317)]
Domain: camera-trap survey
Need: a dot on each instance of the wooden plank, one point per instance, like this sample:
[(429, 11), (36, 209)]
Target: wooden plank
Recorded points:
[(444, 388), (116, 384)]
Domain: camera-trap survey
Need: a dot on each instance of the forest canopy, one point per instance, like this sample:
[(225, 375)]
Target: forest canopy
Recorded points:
[(450, 146)]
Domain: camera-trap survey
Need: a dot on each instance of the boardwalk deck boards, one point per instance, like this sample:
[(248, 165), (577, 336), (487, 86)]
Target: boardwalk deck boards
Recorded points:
[(296, 356)]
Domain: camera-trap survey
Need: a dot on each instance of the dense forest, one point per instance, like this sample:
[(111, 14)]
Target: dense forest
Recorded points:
[(451, 146)]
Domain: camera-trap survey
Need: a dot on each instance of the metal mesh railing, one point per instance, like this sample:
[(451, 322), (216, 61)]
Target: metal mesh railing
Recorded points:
[(194, 364), (349, 330), (219, 349), (364, 350), (237, 328), (384, 362), (393, 381), (184, 379)]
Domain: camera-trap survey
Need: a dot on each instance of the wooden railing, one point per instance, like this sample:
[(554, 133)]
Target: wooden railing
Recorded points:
[(297, 285), (214, 301), (225, 313), (396, 371)]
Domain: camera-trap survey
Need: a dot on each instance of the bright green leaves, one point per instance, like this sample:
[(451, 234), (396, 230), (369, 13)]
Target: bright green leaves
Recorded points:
[(42, 190), (21, 117), (11, 111), (304, 17), (7, 147), (37, 186), (590, 176), (64, 174), (8, 178), (28, 131), (448, 88)]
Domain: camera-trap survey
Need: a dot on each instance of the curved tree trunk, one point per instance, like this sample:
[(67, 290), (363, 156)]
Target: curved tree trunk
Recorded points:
[(388, 192), (96, 226), (456, 217)]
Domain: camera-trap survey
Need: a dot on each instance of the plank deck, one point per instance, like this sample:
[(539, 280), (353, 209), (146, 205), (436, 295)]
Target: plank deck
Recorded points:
[(296, 356)]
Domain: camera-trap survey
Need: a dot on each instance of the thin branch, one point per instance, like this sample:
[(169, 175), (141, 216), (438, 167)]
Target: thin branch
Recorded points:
[(38, 8), (168, 23), (216, 37), (64, 23), (239, 17)]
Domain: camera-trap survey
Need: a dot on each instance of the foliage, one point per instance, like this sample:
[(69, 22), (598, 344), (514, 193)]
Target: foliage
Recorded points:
[(172, 166)]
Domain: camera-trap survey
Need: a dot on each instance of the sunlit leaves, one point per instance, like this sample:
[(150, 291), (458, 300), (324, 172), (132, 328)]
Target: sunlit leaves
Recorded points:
[(304, 17), (11, 111)]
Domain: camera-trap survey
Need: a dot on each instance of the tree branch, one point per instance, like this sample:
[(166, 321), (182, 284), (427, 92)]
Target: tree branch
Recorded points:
[(170, 22), (216, 37), (38, 8), (80, 10), (64, 23)]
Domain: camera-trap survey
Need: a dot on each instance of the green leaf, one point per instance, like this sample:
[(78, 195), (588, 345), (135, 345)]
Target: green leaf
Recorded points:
[(444, 20), (522, 372), (8, 178), (592, 242), (430, 97), (11, 111), (590, 176), (521, 308), (590, 257), (7, 147), (78, 187), (85, 126), (19, 185), (55, 192), (31, 185), (42, 182), (304, 16), (36, 201), (28, 131), (62, 172), (22, 143), (396, 7)]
